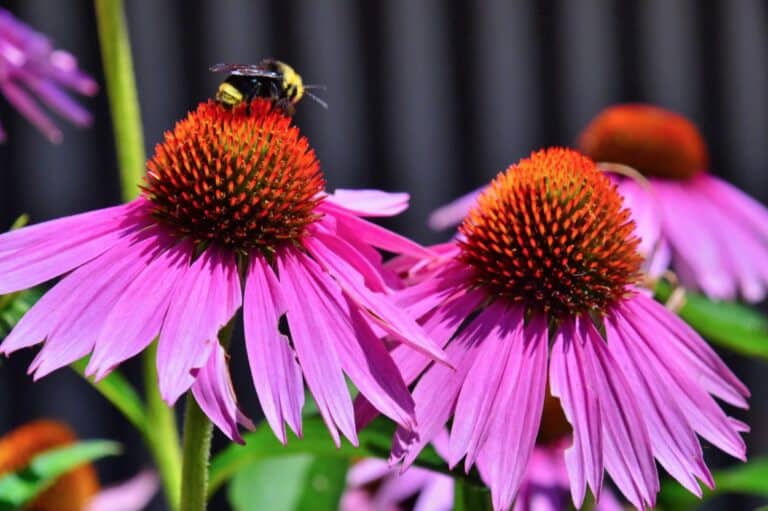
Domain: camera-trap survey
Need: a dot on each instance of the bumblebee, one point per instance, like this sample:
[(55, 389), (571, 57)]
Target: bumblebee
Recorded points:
[(270, 79)]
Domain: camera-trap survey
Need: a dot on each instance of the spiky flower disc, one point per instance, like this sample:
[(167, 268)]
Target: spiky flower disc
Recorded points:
[(551, 232), (242, 177), (653, 140)]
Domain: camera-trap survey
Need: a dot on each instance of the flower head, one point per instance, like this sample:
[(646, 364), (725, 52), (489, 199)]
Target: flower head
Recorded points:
[(30, 65), (552, 233), (635, 383), (232, 214), (653, 140), (714, 236)]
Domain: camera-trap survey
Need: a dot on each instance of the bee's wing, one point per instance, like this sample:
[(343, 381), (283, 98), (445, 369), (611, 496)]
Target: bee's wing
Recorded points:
[(244, 70)]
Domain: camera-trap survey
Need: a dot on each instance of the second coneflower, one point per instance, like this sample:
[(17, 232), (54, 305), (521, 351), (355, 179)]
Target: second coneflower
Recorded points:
[(233, 213), (539, 293), (714, 235)]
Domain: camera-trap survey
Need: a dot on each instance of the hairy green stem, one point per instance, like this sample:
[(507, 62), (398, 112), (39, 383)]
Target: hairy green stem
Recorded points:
[(198, 431), (121, 90)]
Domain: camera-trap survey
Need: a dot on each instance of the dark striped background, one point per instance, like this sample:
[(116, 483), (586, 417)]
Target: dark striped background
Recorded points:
[(425, 96)]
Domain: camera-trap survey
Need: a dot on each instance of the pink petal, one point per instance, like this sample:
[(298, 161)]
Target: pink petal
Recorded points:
[(440, 327), (136, 318), (353, 227), (711, 371), (673, 441), (737, 203), (315, 345), (517, 411), (204, 301), (215, 394), (436, 392), (375, 203), (569, 380), (132, 495), (453, 213), (23, 102), (626, 447), (390, 317), (482, 389), (41, 252), (276, 372), (646, 212), (700, 409), (425, 296)]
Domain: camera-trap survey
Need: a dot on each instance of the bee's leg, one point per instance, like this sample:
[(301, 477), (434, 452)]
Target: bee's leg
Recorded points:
[(286, 106)]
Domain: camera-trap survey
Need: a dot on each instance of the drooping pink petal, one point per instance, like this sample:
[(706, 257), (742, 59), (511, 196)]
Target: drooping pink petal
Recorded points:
[(276, 372), (136, 318), (682, 340), (646, 212), (569, 375), (381, 307), (436, 392), (425, 296), (205, 299), (41, 252), (454, 212), (440, 327), (372, 272), (736, 203), (673, 441), (626, 445), (517, 414), (373, 203), (215, 394), (353, 227), (132, 495), (478, 400), (23, 102), (315, 345), (690, 392), (74, 335), (686, 226)]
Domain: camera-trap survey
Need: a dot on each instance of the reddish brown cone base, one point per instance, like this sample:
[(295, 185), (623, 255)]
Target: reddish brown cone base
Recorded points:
[(654, 141)]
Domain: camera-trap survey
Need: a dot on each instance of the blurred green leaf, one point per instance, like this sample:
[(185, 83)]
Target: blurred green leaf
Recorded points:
[(21, 487), (289, 483), (750, 478), (14, 305), (375, 442), (120, 393), (470, 497), (728, 324)]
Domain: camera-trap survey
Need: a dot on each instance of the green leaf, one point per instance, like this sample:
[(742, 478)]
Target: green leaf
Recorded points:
[(120, 393), (290, 483), (470, 497), (729, 324), (375, 442), (21, 487), (750, 479), (14, 305)]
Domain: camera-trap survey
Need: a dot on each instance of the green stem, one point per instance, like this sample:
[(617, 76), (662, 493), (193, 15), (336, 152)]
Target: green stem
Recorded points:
[(121, 90), (198, 431), (162, 433)]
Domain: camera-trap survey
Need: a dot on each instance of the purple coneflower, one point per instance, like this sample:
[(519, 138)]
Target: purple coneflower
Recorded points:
[(540, 292), (717, 235), (30, 66), (233, 212)]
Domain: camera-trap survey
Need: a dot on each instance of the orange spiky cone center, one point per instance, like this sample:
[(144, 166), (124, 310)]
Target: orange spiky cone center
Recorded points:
[(654, 141), (550, 232), (243, 178), (72, 491)]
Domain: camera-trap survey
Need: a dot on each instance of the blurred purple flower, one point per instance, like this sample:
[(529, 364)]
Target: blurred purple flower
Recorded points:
[(30, 66)]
